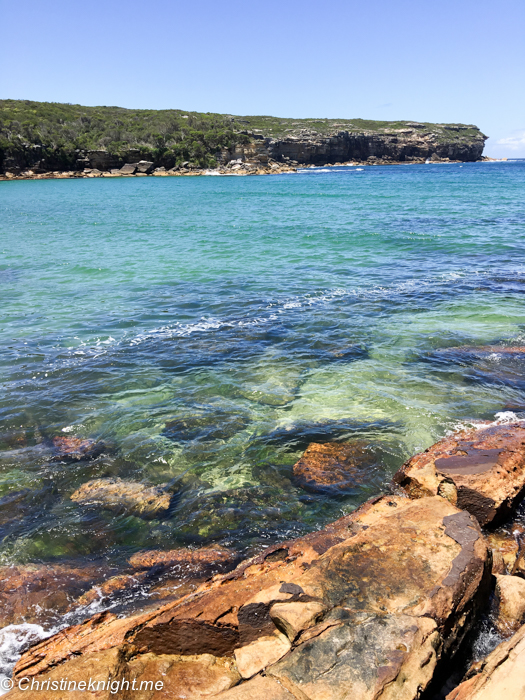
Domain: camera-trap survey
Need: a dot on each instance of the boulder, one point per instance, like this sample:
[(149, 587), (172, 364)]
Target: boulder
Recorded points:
[(498, 677), (367, 607), (128, 169), (332, 467), (124, 496), (71, 449), (145, 167), (481, 470), (510, 593)]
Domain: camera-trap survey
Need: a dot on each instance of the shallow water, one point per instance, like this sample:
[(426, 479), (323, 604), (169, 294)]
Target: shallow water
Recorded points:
[(207, 329)]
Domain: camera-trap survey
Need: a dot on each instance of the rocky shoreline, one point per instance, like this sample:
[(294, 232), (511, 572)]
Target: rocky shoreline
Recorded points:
[(233, 168), (379, 604)]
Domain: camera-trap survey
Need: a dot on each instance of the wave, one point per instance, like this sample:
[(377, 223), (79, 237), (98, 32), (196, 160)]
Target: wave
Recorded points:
[(276, 309)]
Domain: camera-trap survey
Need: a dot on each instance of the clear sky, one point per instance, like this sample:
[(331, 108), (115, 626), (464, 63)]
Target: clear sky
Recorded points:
[(442, 61)]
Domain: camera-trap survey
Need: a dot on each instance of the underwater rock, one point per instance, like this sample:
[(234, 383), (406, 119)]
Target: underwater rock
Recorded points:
[(332, 467), (480, 470), (498, 676), (299, 434), (194, 559), (268, 382), (12, 506), (368, 606), (510, 592), (39, 593), (112, 587), (205, 425), (491, 364), (66, 449), (117, 495)]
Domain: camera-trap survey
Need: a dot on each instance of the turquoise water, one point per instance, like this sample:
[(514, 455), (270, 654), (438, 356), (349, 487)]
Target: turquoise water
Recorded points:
[(207, 329)]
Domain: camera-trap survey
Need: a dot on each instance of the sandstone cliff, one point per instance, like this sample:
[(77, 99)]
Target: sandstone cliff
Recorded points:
[(47, 137)]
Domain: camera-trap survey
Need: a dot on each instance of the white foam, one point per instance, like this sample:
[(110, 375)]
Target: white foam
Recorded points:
[(14, 640)]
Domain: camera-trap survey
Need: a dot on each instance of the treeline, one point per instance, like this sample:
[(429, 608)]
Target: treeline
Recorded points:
[(56, 133)]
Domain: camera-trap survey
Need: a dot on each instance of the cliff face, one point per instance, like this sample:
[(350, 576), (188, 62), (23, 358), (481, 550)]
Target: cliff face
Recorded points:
[(413, 143)]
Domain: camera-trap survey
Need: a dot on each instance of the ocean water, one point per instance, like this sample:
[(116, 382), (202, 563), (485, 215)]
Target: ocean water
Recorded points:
[(208, 329)]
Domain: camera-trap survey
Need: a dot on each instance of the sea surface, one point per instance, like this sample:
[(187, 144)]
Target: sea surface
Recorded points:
[(208, 329)]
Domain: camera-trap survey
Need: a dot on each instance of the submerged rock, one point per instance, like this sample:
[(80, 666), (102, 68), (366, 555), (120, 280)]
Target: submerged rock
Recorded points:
[(117, 495), (190, 558), (332, 467), (491, 364), (299, 434), (39, 592), (367, 607), (480, 470), (498, 677), (205, 425), (74, 449)]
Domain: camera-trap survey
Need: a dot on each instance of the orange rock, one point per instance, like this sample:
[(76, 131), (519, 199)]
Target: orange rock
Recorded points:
[(182, 677), (481, 471), (124, 496), (510, 593), (385, 592), (73, 448), (332, 467), (98, 668), (39, 593), (113, 585), (196, 558)]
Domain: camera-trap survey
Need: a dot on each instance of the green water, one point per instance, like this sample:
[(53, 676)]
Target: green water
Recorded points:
[(208, 329)]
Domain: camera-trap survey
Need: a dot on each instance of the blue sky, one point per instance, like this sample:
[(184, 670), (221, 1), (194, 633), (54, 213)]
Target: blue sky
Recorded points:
[(446, 61)]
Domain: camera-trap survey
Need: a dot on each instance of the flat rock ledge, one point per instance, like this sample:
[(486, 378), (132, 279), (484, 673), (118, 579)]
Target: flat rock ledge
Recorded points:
[(501, 676), (368, 608), (481, 470)]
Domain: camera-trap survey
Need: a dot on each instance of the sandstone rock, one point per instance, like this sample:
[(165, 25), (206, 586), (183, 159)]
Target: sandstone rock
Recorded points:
[(128, 169), (183, 677), (258, 688), (519, 566), (145, 167), (366, 607), (332, 467), (499, 677), (510, 592), (100, 668), (124, 496), (479, 470), (262, 652), (505, 547), (74, 449), (101, 633), (192, 558), (111, 587)]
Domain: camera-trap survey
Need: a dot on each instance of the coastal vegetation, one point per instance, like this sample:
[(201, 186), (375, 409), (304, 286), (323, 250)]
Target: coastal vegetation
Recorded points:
[(55, 134)]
